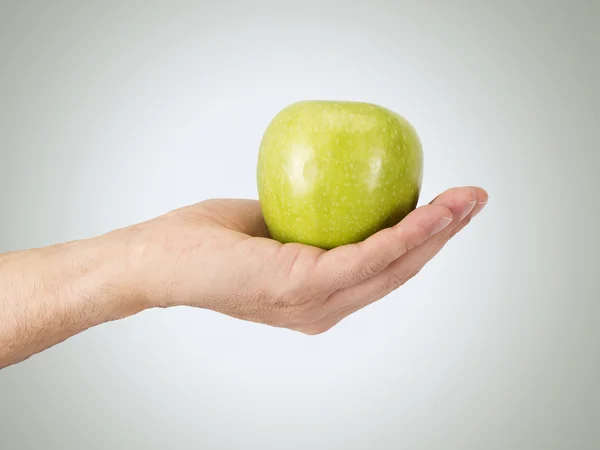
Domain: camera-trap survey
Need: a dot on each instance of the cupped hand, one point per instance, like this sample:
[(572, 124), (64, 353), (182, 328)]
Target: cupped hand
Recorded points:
[(217, 255)]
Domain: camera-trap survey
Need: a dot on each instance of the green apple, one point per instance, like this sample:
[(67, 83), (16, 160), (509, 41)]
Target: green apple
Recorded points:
[(331, 173)]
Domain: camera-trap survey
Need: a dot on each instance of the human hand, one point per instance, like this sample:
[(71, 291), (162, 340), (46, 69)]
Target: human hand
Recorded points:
[(217, 255)]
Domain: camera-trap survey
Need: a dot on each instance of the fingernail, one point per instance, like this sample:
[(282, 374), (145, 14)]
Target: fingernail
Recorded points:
[(441, 224), (467, 209)]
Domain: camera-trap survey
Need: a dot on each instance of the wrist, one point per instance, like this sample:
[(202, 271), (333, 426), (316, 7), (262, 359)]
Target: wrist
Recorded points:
[(119, 273), (53, 293), (98, 278)]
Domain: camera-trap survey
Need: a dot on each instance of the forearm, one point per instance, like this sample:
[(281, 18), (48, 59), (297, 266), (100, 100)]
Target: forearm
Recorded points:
[(48, 295)]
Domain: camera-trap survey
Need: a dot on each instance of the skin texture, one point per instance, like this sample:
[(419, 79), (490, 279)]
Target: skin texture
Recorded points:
[(215, 255), (333, 173)]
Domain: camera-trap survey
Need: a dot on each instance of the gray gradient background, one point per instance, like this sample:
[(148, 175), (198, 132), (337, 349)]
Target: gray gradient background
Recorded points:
[(115, 112)]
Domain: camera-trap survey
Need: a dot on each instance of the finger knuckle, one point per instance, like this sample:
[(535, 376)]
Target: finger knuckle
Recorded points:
[(409, 244), (300, 309), (394, 281), (371, 268), (305, 317), (295, 296)]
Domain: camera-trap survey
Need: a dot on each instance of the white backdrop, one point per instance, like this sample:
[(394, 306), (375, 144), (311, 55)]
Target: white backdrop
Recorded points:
[(115, 112)]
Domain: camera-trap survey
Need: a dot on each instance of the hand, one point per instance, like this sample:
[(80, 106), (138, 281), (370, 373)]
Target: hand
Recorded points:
[(217, 255)]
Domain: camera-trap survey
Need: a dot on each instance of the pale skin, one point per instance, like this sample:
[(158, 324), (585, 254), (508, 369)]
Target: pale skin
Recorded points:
[(215, 255)]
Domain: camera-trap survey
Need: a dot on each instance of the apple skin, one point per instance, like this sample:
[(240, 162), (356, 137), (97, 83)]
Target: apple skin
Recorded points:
[(331, 173)]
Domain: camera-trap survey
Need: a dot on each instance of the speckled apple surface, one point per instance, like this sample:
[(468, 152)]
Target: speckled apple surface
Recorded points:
[(331, 173)]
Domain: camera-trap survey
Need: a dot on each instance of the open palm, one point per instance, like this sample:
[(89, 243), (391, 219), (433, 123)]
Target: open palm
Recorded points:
[(223, 259)]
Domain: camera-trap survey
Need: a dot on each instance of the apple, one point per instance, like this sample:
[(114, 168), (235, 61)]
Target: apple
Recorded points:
[(331, 173)]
